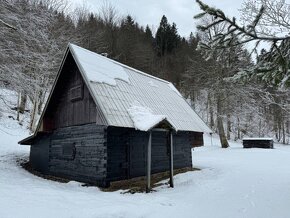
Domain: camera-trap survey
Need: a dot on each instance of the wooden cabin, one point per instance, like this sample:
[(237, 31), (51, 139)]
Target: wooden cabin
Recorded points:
[(104, 121), (258, 143)]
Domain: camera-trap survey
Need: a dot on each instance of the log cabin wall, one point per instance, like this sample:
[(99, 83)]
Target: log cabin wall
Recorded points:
[(79, 153), (118, 158), (182, 150), (76, 152), (127, 150), (196, 139), (39, 153)]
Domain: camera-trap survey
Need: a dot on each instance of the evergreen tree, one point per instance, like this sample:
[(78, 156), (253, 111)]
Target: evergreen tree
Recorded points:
[(162, 36), (148, 33)]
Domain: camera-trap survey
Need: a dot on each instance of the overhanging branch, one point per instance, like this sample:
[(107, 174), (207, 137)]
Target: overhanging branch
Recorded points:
[(7, 25)]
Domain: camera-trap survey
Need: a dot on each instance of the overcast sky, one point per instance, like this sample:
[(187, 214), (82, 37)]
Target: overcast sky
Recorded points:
[(179, 11)]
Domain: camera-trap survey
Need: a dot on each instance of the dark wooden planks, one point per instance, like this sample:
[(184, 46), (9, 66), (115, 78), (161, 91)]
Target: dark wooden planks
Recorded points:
[(118, 159), (196, 139), (39, 154), (71, 102), (160, 152), (127, 152), (258, 143), (101, 154), (88, 162), (138, 153), (182, 150)]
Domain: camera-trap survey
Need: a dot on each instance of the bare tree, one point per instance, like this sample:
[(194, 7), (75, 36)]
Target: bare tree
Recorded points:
[(31, 55)]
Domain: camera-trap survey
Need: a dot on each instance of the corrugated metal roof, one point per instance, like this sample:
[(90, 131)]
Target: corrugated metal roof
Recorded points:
[(154, 93)]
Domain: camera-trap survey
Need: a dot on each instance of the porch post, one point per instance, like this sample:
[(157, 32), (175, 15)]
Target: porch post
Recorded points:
[(148, 186), (171, 160)]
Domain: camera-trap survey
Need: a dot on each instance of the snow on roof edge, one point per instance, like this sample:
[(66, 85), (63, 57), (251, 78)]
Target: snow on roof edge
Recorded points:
[(143, 117), (174, 89), (96, 67), (123, 65), (258, 139)]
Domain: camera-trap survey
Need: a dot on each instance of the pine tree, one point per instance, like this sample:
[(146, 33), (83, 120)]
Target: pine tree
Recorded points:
[(162, 36)]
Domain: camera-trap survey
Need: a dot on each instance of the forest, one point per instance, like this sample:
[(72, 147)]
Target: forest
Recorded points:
[(237, 90)]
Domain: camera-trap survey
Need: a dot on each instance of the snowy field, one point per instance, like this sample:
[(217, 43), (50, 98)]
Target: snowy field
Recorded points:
[(233, 183)]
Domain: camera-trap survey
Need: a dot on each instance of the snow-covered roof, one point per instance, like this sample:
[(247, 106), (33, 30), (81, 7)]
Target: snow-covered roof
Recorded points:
[(116, 88)]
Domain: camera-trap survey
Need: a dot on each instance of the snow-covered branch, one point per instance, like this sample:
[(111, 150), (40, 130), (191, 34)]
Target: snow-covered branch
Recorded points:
[(8, 25)]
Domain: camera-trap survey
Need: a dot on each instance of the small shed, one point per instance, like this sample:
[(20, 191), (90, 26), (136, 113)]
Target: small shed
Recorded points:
[(258, 143), (105, 121)]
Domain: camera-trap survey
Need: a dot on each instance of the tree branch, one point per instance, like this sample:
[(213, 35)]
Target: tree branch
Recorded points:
[(249, 32), (7, 25)]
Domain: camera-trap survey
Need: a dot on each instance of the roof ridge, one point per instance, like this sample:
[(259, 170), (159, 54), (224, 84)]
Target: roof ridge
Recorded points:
[(123, 65)]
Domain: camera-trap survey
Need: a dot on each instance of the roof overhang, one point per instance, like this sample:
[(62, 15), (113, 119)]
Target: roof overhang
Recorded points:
[(30, 139), (168, 126)]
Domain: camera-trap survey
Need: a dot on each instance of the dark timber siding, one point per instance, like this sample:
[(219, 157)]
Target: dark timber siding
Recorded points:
[(196, 139), (99, 154), (127, 150), (182, 150), (39, 154), (160, 152), (137, 153), (71, 102), (118, 160), (79, 153), (260, 143)]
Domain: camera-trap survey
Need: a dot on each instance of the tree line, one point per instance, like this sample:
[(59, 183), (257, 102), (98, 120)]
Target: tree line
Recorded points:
[(35, 33)]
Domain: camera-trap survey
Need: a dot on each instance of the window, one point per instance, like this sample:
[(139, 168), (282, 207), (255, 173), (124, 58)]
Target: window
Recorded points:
[(76, 93)]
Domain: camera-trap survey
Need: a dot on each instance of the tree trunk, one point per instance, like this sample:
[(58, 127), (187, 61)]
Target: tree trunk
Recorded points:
[(220, 126), (211, 122), (239, 131), (221, 131), (228, 127), (40, 102), (22, 99), (33, 113), (283, 133), (192, 98), (18, 103)]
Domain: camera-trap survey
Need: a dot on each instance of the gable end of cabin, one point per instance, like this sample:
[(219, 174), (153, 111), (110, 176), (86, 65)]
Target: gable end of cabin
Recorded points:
[(71, 141)]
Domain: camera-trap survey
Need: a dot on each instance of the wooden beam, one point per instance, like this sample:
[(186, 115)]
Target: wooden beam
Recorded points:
[(148, 186), (171, 160), (159, 130)]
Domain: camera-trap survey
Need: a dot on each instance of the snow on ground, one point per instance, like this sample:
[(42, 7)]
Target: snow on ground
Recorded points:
[(233, 183)]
